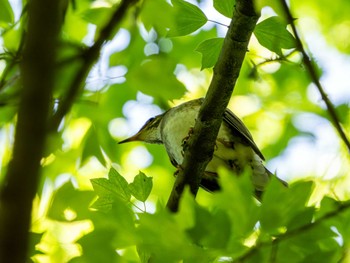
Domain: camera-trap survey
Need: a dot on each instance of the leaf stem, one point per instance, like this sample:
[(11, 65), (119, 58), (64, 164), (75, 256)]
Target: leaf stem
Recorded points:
[(218, 23)]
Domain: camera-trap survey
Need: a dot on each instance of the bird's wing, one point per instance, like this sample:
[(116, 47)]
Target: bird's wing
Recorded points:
[(241, 130)]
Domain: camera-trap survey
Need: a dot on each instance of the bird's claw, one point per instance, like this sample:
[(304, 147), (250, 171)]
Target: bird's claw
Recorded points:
[(185, 140), (178, 170)]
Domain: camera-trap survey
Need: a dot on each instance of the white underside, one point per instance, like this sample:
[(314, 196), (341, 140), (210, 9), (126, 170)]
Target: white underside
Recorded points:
[(241, 156)]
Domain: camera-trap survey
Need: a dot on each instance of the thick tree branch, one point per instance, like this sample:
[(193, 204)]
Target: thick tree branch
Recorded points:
[(309, 64), (89, 57), (226, 71), (21, 181)]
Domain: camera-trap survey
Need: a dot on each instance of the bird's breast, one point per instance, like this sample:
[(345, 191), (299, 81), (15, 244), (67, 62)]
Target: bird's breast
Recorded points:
[(175, 128)]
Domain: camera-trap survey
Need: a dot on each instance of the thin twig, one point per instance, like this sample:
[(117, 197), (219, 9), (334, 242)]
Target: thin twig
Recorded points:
[(341, 208), (277, 59), (308, 62)]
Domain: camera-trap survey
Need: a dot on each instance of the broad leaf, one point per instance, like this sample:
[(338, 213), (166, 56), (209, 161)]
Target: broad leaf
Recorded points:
[(34, 240), (275, 5), (115, 187), (285, 207), (210, 50), (6, 13), (160, 21), (141, 187), (273, 35), (225, 7), (67, 198), (98, 16), (155, 77), (188, 18), (92, 147)]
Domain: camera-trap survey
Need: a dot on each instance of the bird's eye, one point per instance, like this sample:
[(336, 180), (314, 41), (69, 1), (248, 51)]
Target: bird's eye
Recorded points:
[(150, 120), (147, 122)]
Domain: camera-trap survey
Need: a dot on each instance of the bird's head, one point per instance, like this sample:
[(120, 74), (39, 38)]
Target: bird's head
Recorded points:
[(149, 132)]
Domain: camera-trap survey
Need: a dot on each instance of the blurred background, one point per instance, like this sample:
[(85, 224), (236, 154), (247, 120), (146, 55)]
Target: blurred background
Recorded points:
[(142, 72)]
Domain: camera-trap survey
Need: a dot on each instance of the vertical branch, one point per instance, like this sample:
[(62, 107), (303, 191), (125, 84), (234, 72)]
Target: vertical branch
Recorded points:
[(226, 71), (309, 64), (21, 181)]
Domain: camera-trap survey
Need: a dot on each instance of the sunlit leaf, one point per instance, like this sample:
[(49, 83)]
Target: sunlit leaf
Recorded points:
[(92, 147), (275, 5), (225, 7), (141, 187), (109, 189), (162, 243), (156, 77), (237, 201), (188, 18), (160, 21), (6, 13), (290, 207), (34, 240), (98, 16), (71, 200), (101, 240), (272, 34), (210, 50)]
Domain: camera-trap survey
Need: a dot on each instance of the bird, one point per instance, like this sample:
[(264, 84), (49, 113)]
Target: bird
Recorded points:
[(234, 148)]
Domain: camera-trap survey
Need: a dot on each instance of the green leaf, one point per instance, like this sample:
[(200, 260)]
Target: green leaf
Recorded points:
[(67, 198), (6, 13), (98, 16), (163, 236), (205, 231), (290, 208), (243, 211), (275, 5), (92, 147), (188, 18), (327, 205), (104, 203), (319, 239), (141, 187), (210, 50), (98, 247), (225, 7), (160, 21), (273, 35), (34, 239), (111, 189), (156, 77)]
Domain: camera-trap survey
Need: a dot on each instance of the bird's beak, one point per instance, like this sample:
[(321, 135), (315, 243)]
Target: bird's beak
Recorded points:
[(133, 138)]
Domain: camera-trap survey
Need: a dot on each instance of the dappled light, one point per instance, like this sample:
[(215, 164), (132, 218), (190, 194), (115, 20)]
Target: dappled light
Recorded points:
[(69, 192)]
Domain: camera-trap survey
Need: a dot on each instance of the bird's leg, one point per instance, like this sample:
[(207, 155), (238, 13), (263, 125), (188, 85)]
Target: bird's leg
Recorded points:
[(178, 170), (185, 140)]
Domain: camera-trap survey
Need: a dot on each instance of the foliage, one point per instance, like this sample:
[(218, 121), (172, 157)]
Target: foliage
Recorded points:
[(98, 201)]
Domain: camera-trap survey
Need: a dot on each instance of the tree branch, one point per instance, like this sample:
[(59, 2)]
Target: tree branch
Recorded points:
[(89, 57), (226, 71), (278, 239), (309, 64), (21, 181)]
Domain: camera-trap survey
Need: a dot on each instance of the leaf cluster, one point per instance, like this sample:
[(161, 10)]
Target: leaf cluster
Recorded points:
[(285, 227)]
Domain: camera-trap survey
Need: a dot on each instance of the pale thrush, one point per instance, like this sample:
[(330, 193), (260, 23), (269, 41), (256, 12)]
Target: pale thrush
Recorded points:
[(235, 148)]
